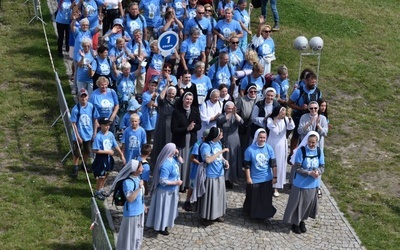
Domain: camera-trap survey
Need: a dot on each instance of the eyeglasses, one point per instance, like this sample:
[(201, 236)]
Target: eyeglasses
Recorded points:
[(253, 91), (208, 10), (313, 108), (267, 31), (201, 13), (83, 96), (235, 42), (167, 70)]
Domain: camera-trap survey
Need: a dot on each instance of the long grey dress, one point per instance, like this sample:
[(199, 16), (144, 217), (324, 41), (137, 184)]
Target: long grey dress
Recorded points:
[(231, 140), (162, 133)]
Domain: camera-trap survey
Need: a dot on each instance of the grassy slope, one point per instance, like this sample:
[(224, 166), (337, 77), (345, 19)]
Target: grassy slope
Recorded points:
[(358, 75)]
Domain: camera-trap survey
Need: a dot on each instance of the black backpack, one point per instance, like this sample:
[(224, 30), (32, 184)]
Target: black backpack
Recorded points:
[(119, 198)]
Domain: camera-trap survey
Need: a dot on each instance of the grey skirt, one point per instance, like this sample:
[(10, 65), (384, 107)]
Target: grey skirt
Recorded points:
[(185, 167), (302, 203), (212, 204), (130, 234), (163, 209)]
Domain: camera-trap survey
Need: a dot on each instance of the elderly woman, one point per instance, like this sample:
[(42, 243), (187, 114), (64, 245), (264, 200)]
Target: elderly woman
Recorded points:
[(106, 102), (313, 122), (184, 126), (244, 107), (229, 123), (264, 45), (191, 51), (85, 58), (212, 203), (203, 82), (162, 133), (130, 234), (164, 190), (278, 124), (303, 198), (139, 48), (209, 111), (260, 169), (263, 109)]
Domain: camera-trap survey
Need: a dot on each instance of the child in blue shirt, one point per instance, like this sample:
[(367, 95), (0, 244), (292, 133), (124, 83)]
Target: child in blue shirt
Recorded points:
[(133, 138), (145, 153)]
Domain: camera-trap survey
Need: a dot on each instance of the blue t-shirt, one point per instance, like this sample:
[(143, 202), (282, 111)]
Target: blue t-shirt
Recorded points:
[(222, 76), (179, 10), (267, 48), (296, 95), (87, 115), (135, 207), (169, 171), (281, 87), (92, 12), (259, 83), (120, 54), (242, 16), (205, 25), (104, 141), (203, 85), (82, 74), (146, 169), (112, 38), (151, 11), (156, 62), (236, 57), (226, 29), (64, 12), (104, 103), (79, 35), (214, 169), (149, 115), (163, 83), (309, 163), (125, 86), (194, 166), (260, 169), (102, 66), (192, 51), (133, 24), (134, 49), (133, 140)]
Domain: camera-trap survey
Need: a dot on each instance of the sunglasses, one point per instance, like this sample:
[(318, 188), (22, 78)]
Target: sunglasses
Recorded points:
[(235, 42), (253, 91), (201, 13), (313, 108), (208, 10), (267, 31)]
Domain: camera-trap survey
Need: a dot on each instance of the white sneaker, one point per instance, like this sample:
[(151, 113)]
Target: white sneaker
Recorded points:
[(276, 194)]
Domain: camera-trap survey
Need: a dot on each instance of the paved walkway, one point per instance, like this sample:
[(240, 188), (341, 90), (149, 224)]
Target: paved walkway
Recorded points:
[(329, 231)]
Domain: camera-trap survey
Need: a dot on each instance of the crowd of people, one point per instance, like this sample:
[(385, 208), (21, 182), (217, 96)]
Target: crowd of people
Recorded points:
[(198, 120)]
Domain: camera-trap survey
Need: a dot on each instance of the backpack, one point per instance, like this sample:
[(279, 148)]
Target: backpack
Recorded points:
[(217, 69), (313, 97), (119, 198), (303, 153), (269, 78)]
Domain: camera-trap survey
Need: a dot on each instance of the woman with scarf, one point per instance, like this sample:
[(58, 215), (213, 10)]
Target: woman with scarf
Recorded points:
[(184, 126), (309, 165), (229, 123), (278, 125), (164, 190), (131, 230), (211, 204), (260, 169), (209, 111)]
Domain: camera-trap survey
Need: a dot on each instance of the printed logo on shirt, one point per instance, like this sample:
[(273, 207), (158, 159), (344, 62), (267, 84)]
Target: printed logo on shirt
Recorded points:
[(261, 160), (266, 49), (107, 144), (84, 120), (133, 142), (226, 32)]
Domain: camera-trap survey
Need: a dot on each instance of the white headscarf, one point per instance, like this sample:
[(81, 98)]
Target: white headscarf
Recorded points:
[(167, 152), (303, 143), (268, 90), (256, 136), (129, 167)]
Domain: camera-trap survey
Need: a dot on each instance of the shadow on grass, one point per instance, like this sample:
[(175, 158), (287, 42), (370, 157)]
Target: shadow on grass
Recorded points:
[(77, 246)]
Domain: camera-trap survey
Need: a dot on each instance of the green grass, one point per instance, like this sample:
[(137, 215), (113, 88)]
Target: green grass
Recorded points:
[(43, 209)]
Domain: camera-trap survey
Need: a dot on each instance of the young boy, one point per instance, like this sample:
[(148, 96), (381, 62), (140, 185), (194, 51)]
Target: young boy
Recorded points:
[(133, 138), (103, 146), (133, 108), (145, 153), (83, 118)]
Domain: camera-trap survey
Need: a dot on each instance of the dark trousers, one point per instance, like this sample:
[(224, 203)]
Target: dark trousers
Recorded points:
[(63, 32)]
